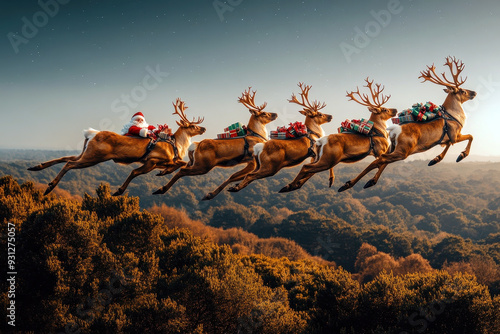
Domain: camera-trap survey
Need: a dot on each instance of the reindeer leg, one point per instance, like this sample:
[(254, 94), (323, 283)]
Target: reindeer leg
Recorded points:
[(184, 171), (53, 162), (440, 157), (173, 168), (146, 168), (373, 181), (306, 172), (301, 182), (349, 184), (261, 173), (401, 152), (233, 178), (464, 153), (46, 164), (69, 165), (331, 178)]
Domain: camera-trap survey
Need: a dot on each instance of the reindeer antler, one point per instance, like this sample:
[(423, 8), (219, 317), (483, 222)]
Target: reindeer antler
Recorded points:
[(180, 107), (430, 73), (378, 98), (248, 100), (308, 107)]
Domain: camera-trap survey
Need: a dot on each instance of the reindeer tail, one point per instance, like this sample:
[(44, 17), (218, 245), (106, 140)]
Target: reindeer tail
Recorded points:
[(394, 131), (191, 150), (257, 150), (90, 133)]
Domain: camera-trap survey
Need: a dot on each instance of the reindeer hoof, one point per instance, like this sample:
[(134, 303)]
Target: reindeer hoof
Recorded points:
[(285, 189), (330, 182), (208, 197), (48, 190), (35, 168), (433, 162), (118, 193), (461, 156), (346, 186), (370, 183), (233, 189), (159, 192)]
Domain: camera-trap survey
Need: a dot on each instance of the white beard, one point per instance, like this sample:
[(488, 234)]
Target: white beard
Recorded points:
[(139, 123)]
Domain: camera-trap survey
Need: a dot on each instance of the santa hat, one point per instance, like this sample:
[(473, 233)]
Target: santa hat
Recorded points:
[(138, 115)]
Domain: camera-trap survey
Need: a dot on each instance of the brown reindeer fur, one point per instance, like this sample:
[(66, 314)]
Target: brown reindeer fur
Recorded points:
[(210, 153), (276, 154), (100, 146), (419, 137), (345, 147)]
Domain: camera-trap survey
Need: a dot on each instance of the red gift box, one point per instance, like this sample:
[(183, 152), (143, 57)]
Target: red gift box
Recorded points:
[(278, 135), (293, 130), (362, 126), (223, 135)]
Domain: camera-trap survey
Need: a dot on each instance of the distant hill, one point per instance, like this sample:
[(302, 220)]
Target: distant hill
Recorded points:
[(103, 265), (409, 187)]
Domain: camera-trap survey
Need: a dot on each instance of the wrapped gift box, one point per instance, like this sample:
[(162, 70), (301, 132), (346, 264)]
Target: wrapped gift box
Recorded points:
[(366, 126), (223, 135), (402, 119), (278, 135), (297, 129), (232, 131), (238, 132), (233, 126), (293, 130), (362, 126), (418, 112)]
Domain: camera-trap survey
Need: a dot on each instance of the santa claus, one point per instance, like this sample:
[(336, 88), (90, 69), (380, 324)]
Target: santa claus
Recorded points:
[(138, 127)]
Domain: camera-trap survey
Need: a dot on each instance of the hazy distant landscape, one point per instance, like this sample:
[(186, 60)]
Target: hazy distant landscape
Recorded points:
[(422, 248)]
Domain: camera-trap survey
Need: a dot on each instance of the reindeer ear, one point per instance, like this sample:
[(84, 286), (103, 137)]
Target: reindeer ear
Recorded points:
[(305, 112), (449, 89), (375, 110), (254, 112)]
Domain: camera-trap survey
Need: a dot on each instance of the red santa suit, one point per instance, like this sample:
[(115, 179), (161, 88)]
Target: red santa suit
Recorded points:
[(138, 127)]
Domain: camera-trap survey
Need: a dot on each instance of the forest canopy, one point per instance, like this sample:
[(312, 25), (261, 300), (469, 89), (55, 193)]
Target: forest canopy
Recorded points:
[(420, 252)]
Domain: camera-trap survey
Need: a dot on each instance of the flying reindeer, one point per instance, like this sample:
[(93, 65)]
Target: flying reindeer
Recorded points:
[(418, 137), (350, 147), (100, 146), (210, 153), (276, 154)]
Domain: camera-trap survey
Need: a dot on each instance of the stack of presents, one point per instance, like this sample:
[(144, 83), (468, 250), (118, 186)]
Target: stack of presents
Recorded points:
[(418, 112), (362, 126), (232, 131), (294, 130)]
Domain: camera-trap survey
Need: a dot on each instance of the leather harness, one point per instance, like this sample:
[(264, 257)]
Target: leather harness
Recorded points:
[(246, 151), (373, 133), (446, 129), (250, 132), (152, 143)]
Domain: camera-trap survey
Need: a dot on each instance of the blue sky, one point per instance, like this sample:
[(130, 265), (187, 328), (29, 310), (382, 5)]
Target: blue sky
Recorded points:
[(69, 65)]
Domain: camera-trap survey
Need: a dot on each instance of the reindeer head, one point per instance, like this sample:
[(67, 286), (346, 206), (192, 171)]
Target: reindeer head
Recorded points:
[(310, 110), (248, 100), (190, 127), (375, 106), (452, 87)]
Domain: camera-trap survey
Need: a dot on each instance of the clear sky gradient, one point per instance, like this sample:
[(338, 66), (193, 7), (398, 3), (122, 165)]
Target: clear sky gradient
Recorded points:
[(69, 65)]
